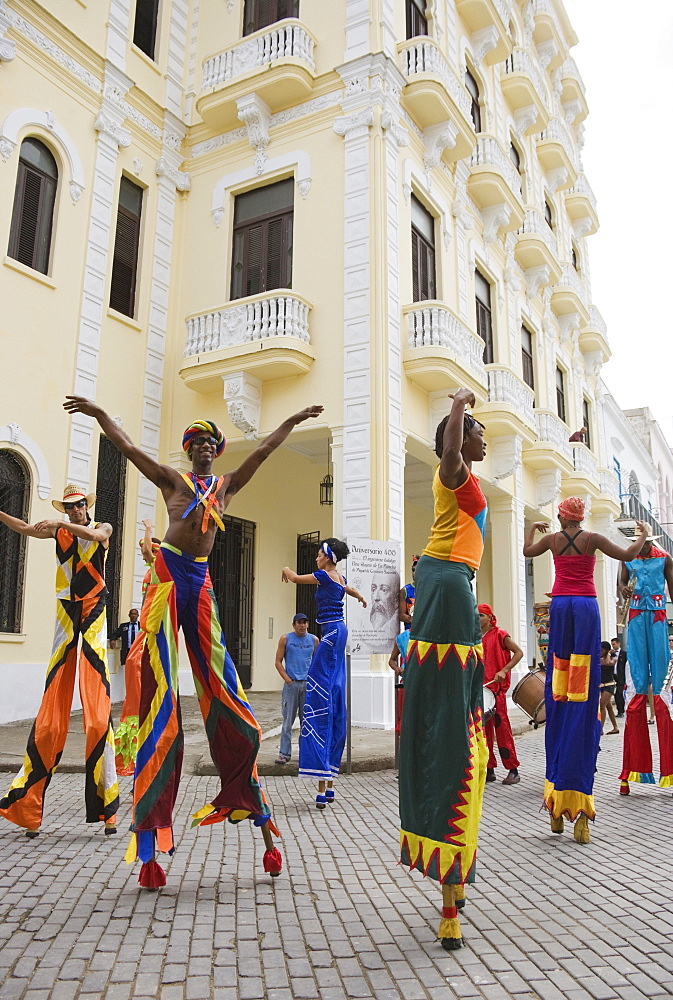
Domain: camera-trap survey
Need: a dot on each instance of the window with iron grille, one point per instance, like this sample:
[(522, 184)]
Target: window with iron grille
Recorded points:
[(560, 394), (127, 245), (232, 570), (145, 26), (475, 108), (33, 212), (109, 509), (417, 22), (482, 290), (307, 548), (422, 252), (527, 357), (262, 253), (586, 422), (260, 13), (14, 500)]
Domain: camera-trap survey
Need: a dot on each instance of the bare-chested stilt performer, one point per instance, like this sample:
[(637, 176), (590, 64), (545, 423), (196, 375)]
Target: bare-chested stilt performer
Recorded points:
[(181, 595)]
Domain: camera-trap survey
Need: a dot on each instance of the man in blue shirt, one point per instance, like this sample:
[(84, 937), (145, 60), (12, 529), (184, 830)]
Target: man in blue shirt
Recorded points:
[(293, 658)]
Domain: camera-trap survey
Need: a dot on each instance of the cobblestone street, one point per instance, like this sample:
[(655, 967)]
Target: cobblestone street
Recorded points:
[(547, 918)]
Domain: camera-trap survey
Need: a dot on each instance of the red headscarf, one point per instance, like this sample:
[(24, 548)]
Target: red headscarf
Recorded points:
[(572, 508), (486, 609)]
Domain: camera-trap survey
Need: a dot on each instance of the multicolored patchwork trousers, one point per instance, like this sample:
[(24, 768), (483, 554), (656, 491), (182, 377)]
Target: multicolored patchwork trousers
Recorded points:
[(24, 803)]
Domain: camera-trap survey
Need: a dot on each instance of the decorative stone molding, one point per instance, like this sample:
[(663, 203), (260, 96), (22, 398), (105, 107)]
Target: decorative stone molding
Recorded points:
[(461, 212), (506, 451), (13, 436), (399, 133), (569, 324), (138, 166), (256, 116), (7, 46), (437, 138), (494, 217), (304, 186), (582, 227), (23, 118), (110, 127), (547, 51), (298, 160), (571, 109), (180, 178), (547, 486), (243, 396), (355, 124), (594, 361), (536, 278), (524, 118), (557, 177), (23, 27), (483, 42)]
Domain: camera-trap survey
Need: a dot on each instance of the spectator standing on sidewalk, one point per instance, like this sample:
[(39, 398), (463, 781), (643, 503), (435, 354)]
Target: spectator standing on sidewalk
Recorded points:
[(293, 658)]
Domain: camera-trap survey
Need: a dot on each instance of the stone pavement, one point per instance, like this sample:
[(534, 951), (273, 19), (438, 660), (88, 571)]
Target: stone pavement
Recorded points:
[(548, 919)]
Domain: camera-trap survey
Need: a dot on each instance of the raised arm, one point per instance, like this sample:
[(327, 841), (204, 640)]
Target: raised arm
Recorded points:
[(246, 470), (161, 475), (354, 593), (146, 543), (452, 469), (99, 534), (532, 548), (289, 576), (609, 547), (23, 528)]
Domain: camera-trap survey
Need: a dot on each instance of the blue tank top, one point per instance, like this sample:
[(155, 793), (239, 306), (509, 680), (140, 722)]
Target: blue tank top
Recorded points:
[(298, 655), (329, 598)]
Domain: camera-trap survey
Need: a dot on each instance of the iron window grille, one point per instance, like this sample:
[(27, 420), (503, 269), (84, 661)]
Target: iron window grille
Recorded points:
[(109, 509), (307, 547), (14, 500), (232, 570), (586, 422)]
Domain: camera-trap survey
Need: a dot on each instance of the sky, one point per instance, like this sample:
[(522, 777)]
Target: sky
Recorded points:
[(624, 58)]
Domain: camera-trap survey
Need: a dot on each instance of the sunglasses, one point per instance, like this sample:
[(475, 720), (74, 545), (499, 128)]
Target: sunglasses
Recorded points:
[(74, 506), (205, 440)]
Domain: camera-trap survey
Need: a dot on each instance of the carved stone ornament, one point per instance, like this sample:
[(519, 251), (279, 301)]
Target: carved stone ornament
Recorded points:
[(569, 324), (7, 50), (256, 116), (14, 432), (108, 126), (483, 41), (437, 138), (547, 51), (355, 124), (180, 178), (524, 119), (506, 451), (494, 217), (461, 213), (138, 166), (547, 486), (536, 278), (390, 124), (75, 191), (6, 148), (243, 396), (304, 185), (557, 177), (218, 215), (571, 109), (582, 227)]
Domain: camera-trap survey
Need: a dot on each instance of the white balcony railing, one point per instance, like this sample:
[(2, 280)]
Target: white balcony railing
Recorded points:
[(570, 71), (288, 38), (424, 57), (270, 315), (597, 321), (571, 278), (585, 462), (435, 326), (609, 484), (489, 152), (545, 8), (556, 131), (583, 188), (552, 429), (519, 61), (504, 386), (534, 224)]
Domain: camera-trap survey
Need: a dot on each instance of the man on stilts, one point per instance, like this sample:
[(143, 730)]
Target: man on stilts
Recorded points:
[(648, 654), (180, 595), (80, 614)]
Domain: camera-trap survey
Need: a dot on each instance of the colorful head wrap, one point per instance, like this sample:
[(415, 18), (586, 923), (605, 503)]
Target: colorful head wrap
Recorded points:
[(325, 548), (204, 427), (486, 609), (572, 508)]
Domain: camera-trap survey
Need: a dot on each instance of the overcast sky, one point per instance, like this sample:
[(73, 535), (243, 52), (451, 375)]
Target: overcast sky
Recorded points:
[(624, 58)]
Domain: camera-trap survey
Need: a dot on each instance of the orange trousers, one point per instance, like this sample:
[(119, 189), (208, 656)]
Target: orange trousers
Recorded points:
[(24, 803)]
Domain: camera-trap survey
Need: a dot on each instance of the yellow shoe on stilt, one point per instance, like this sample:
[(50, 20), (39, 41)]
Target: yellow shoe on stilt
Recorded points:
[(449, 933), (556, 824), (581, 831)]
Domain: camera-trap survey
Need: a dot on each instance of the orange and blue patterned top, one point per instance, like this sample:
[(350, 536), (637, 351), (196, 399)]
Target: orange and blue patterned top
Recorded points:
[(460, 520)]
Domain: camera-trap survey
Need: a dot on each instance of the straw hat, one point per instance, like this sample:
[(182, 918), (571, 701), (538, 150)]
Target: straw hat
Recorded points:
[(71, 494)]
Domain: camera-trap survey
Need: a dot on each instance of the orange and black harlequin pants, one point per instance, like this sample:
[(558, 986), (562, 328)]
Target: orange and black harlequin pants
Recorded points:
[(24, 803)]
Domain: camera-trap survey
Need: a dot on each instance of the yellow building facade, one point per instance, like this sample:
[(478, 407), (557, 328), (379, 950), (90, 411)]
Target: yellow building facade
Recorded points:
[(255, 207)]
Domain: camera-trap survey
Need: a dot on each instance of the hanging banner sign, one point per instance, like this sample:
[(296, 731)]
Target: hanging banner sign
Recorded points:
[(374, 571)]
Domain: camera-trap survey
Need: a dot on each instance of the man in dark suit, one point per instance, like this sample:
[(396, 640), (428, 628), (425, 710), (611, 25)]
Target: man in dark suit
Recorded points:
[(127, 632), (620, 675)]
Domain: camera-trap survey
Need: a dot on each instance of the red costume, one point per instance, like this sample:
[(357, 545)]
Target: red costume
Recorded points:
[(496, 656)]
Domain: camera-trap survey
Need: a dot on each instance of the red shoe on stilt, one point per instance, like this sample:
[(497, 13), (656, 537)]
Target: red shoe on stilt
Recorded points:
[(273, 862), (152, 876)]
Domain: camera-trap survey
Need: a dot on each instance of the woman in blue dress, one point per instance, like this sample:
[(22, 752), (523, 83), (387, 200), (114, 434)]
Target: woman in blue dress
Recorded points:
[(323, 731)]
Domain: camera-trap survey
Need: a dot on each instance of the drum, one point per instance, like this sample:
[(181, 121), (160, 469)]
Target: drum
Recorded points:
[(529, 696), (541, 626), (489, 704)]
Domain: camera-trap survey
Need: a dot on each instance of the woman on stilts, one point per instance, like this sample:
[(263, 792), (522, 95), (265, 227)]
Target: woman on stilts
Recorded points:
[(323, 731), (443, 751), (573, 728)]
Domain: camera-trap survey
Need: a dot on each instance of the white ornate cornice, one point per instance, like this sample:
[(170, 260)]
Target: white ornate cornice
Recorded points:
[(390, 123), (7, 46), (111, 128), (256, 116), (582, 227), (180, 178), (355, 124), (29, 31), (569, 324)]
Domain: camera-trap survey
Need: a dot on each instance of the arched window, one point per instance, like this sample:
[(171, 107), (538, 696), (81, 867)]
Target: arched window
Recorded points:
[(475, 102), (34, 197), (14, 500), (634, 485)]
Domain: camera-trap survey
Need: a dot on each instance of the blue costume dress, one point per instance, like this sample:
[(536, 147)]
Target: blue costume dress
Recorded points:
[(323, 731)]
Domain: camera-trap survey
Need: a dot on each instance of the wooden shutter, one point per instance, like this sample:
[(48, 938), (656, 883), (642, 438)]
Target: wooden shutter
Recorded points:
[(423, 267), (274, 254), (253, 264), (30, 238), (125, 261), (145, 26)]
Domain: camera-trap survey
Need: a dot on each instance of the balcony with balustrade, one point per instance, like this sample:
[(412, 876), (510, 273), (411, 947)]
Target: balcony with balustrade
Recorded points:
[(275, 62), (594, 335), (608, 500), (536, 245), (494, 180), (573, 94), (442, 351), (584, 477), (493, 15), (556, 152), (434, 94), (568, 295), (266, 335), (509, 408), (551, 449), (524, 89), (581, 205), (552, 36)]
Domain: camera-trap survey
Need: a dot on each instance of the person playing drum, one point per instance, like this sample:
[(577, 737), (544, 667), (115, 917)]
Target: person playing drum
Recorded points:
[(501, 653), (573, 728)]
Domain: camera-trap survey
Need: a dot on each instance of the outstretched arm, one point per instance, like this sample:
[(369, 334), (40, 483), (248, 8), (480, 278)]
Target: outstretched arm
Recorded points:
[(160, 475), (452, 468), (23, 528), (532, 548), (251, 464), (289, 576), (354, 593), (86, 531), (607, 546)]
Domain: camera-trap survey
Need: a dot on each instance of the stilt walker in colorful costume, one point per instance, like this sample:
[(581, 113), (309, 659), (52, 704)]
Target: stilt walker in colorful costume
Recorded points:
[(647, 663), (80, 614), (501, 654), (442, 765), (573, 726), (323, 731), (180, 595), (126, 742)]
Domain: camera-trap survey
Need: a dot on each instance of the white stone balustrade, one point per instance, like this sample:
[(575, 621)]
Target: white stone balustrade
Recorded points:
[(569, 70), (552, 429), (583, 188), (584, 461), (489, 152), (609, 484), (433, 325), (505, 386), (556, 131), (519, 61), (272, 314), (597, 321), (545, 8), (424, 57), (535, 224), (285, 39), (571, 278)]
